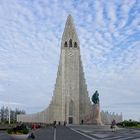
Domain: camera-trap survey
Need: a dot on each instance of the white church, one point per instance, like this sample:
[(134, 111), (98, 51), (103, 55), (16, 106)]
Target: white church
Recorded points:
[(70, 102)]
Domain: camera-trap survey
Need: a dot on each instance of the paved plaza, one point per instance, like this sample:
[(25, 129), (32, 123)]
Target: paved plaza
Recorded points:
[(78, 132), (4, 136), (104, 133)]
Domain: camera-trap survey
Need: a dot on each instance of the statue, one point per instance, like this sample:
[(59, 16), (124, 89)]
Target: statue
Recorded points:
[(95, 97), (96, 109)]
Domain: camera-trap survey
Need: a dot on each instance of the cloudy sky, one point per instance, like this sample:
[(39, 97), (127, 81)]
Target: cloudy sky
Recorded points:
[(30, 37)]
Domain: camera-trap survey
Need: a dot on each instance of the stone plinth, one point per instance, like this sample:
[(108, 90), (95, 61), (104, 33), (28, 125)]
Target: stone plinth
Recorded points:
[(96, 115)]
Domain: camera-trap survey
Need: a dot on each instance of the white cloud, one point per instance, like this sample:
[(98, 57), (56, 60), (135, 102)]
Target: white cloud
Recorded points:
[(11, 104), (99, 14)]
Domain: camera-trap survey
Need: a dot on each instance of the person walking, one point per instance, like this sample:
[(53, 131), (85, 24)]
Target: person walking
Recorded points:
[(113, 125)]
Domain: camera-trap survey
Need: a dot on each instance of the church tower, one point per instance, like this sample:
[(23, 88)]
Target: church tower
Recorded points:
[(70, 101)]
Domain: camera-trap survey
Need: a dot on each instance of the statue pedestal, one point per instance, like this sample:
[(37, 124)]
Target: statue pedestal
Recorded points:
[(96, 115)]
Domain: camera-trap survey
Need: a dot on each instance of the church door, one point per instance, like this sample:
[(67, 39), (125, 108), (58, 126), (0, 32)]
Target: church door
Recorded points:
[(71, 112), (70, 120)]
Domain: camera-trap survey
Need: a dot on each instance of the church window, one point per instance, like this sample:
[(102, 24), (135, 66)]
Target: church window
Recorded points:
[(65, 44), (75, 45), (70, 43)]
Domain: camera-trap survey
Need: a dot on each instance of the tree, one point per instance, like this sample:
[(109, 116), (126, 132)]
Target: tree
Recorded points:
[(4, 114)]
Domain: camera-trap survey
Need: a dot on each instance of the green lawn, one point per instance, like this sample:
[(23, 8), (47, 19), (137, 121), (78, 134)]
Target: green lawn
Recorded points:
[(138, 126)]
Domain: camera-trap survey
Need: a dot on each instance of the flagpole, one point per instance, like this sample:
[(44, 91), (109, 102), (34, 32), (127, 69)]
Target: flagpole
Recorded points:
[(9, 115), (9, 111)]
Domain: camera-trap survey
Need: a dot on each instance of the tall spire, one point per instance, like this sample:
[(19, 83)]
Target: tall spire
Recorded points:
[(69, 31)]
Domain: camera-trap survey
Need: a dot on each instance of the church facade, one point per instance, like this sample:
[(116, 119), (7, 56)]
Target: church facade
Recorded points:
[(70, 102)]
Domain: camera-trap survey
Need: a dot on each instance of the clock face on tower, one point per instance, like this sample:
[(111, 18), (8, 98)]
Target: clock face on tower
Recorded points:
[(70, 53)]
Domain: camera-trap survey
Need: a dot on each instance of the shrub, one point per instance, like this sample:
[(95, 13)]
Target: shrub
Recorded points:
[(25, 131), (9, 131), (18, 130), (129, 123)]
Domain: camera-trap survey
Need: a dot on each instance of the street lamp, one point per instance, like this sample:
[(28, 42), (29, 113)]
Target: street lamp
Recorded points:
[(9, 111)]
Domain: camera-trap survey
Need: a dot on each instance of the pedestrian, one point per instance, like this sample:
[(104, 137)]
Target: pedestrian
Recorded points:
[(65, 123), (31, 136), (54, 124), (113, 125), (82, 121)]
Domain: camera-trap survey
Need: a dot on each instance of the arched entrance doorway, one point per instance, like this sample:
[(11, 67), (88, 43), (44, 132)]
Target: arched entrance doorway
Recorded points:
[(71, 112)]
